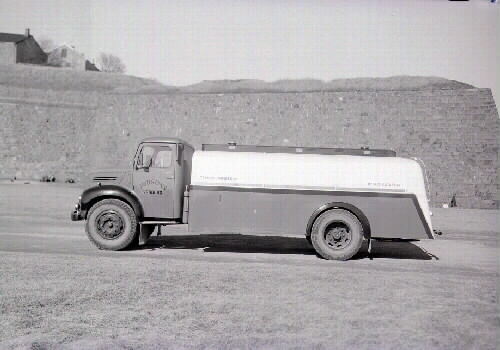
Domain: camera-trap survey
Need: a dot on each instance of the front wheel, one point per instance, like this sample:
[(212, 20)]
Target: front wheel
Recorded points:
[(111, 224), (337, 234)]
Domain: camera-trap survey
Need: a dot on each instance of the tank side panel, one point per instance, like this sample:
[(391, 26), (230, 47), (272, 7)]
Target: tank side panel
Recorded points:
[(311, 172), (243, 210)]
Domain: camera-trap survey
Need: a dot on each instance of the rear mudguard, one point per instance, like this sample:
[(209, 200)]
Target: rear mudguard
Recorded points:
[(340, 205)]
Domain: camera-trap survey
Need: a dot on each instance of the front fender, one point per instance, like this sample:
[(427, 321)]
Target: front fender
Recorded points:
[(97, 193)]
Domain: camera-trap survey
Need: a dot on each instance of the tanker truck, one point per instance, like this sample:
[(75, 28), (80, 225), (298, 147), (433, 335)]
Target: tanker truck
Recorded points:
[(334, 197)]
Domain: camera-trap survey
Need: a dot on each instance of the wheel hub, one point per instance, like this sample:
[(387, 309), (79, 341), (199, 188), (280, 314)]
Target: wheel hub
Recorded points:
[(338, 237), (109, 224)]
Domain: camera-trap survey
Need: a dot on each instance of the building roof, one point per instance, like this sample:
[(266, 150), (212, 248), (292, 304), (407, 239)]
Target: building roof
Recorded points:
[(66, 46), (91, 66), (12, 38), (71, 48)]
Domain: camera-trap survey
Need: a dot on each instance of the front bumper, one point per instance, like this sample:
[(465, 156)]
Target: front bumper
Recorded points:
[(76, 214)]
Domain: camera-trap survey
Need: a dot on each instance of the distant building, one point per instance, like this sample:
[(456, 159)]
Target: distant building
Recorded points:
[(91, 66), (18, 48), (67, 56)]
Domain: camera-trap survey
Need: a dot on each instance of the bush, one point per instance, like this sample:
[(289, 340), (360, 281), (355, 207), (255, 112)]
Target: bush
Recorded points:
[(46, 178)]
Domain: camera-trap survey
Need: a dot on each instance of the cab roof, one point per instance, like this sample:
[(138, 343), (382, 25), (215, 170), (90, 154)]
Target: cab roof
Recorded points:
[(165, 139)]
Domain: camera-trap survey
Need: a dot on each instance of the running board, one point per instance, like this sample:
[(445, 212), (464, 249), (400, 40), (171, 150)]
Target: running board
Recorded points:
[(158, 222)]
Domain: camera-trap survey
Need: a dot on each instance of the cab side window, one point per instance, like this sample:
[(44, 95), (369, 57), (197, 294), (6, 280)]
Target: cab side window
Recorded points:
[(163, 157), (160, 156)]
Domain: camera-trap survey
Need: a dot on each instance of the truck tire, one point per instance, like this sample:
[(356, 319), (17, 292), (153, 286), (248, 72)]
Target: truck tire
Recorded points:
[(337, 234), (111, 224)]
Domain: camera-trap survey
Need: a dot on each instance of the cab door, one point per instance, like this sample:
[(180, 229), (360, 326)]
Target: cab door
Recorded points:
[(154, 179)]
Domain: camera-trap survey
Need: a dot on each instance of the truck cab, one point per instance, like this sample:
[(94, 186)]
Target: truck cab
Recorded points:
[(160, 173), (122, 202)]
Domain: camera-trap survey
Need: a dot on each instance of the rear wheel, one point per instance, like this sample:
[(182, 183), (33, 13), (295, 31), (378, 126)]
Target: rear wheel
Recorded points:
[(111, 224), (337, 234)]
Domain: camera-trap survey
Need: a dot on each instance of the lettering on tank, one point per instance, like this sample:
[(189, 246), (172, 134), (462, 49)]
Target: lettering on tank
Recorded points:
[(223, 178), (384, 184)]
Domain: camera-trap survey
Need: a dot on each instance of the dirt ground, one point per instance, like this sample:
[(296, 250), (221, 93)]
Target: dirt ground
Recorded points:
[(220, 291)]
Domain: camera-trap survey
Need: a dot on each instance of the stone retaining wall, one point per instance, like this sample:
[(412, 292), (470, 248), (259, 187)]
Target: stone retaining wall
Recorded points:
[(455, 132)]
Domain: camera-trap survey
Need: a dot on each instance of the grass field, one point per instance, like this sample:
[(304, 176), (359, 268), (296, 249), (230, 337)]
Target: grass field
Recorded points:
[(58, 79), (230, 291)]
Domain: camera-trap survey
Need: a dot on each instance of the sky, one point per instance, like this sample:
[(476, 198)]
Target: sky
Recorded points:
[(184, 42)]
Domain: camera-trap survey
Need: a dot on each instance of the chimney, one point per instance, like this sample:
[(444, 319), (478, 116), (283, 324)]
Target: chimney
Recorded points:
[(27, 32)]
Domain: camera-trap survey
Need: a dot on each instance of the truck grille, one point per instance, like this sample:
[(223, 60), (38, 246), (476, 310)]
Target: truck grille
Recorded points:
[(104, 178)]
